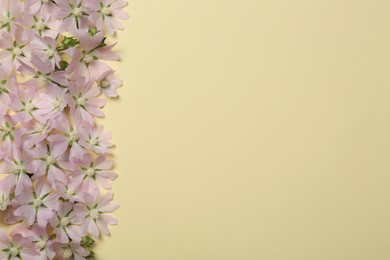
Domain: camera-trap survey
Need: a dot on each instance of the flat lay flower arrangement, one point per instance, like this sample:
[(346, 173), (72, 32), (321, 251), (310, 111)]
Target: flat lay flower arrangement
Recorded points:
[(55, 174)]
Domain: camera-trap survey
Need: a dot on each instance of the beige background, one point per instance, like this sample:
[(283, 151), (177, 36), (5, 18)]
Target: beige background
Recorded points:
[(253, 130)]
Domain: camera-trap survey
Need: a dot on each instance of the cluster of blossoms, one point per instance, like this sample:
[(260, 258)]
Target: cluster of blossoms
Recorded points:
[(55, 184)]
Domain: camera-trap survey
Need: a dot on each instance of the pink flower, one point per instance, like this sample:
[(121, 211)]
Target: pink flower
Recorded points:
[(35, 132), (39, 238), (18, 248), (84, 102), (15, 47), (93, 138), (87, 60), (46, 49), (95, 212), (67, 223), (71, 190), (70, 251), (18, 164), (10, 12), (51, 160), (24, 103), (74, 15), (51, 103), (93, 173), (105, 14), (109, 84), (67, 137), (37, 205)]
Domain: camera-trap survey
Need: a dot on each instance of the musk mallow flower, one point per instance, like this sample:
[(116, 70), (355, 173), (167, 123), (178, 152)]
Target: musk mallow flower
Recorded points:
[(67, 223), (95, 212), (73, 14), (38, 237), (109, 83), (18, 165), (87, 60), (106, 13), (51, 160), (68, 137), (93, 173), (84, 101), (17, 248), (37, 204)]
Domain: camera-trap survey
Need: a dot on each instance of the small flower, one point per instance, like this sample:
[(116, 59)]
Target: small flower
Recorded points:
[(70, 251), (18, 165), (93, 173), (106, 13), (87, 61), (93, 138), (84, 102), (37, 205), (109, 83), (74, 15), (51, 160), (17, 248), (68, 137), (67, 223), (95, 212)]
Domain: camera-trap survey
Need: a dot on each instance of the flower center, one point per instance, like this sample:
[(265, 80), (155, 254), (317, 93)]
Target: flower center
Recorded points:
[(94, 141), (90, 172), (67, 253), (56, 103), (81, 101), (70, 191), (18, 168), (37, 202), (104, 83), (94, 214), (106, 10), (28, 107), (49, 53), (17, 51), (88, 58), (40, 25), (65, 221), (74, 136), (50, 160), (41, 244), (77, 11), (14, 251)]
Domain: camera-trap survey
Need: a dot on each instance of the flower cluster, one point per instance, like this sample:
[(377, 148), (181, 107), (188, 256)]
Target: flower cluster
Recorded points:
[(56, 175)]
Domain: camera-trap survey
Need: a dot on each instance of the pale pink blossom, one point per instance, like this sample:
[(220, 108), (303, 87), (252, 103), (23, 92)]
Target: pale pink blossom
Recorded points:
[(106, 13), (67, 223), (87, 61), (67, 137), (17, 248), (95, 210), (109, 83), (73, 15), (37, 205), (95, 172), (84, 101), (70, 251), (50, 160)]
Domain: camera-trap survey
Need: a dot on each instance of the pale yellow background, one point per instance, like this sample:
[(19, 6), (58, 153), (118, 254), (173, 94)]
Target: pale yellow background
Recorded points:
[(252, 130)]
